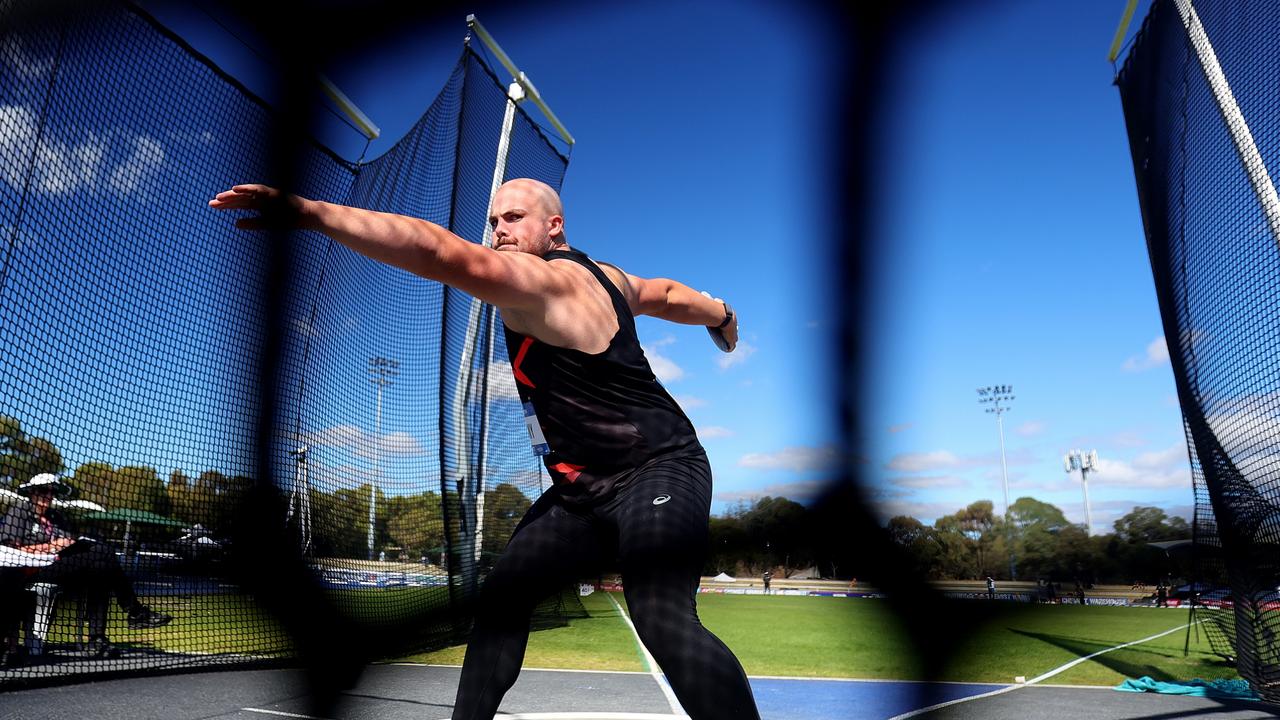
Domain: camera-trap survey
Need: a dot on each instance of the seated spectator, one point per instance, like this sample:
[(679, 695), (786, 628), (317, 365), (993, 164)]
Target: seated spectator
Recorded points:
[(81, 565)]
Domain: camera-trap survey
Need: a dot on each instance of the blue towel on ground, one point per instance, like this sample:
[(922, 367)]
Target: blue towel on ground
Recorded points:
[(1219, 689)]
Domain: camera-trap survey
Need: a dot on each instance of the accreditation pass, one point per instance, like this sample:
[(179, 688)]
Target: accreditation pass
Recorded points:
[(536, 438)]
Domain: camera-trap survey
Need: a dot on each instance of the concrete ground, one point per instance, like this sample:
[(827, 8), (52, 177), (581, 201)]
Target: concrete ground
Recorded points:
[(393, 692)]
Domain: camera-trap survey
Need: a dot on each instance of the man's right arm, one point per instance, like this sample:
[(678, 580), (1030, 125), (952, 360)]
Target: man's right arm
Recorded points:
[(509, 280)]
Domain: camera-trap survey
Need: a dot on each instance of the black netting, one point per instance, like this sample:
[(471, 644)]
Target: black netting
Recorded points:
[(1213, 244), (133, 322)]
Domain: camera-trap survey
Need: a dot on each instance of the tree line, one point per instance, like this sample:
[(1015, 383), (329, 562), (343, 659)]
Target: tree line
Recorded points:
[(408, 525), (780, 535), (770, 533)]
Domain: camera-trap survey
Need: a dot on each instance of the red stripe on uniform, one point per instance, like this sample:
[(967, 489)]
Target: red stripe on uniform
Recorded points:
[(569, 470), (515, 366)]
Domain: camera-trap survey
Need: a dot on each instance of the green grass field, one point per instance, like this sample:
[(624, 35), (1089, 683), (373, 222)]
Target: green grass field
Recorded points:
[(772, 635), (840, 637)]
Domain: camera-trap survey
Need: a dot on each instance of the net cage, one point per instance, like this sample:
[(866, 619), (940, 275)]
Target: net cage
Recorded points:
[(133, 326), (1199, 94)]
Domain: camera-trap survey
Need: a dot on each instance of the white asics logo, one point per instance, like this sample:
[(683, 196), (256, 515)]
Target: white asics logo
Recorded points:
[(661, 499)]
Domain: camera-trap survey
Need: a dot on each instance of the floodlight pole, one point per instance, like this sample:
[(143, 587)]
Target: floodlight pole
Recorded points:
[(381, 370), (994, 395), (1085, 463)]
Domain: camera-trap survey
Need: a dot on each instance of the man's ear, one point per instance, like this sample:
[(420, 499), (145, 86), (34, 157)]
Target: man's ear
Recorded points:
[(557, 226)]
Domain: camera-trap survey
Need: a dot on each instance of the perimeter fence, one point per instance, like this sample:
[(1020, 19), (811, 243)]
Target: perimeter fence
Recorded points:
[(1199, 89), (135, 324)]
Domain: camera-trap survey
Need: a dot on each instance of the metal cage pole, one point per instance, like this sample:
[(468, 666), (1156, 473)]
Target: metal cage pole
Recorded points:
[(472, 481), (1241, 137)]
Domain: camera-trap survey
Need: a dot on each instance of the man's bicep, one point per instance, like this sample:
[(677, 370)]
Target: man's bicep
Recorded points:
[(651, 295), (510, 280)]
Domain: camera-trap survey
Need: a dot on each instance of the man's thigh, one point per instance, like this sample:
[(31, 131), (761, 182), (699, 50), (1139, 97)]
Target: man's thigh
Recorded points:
[(662, 516), (551, 546)]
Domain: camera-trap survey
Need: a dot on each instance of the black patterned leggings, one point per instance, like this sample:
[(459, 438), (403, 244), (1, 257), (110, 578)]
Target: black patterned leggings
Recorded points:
[(656, 527)]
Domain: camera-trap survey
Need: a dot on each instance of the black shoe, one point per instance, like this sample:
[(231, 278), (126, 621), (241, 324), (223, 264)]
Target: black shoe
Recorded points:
[(142, 616), (102, 648)]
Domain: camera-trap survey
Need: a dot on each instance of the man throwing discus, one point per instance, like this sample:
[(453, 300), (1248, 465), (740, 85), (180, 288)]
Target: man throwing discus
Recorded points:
[(631, 481)]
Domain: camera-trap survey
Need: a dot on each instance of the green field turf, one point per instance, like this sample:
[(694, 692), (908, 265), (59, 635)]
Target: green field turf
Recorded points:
[(772, 635), (599, 642), (205, 624), (853, 638)]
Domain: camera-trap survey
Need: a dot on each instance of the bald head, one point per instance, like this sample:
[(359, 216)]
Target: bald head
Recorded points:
[(539, 192), (528, 217)]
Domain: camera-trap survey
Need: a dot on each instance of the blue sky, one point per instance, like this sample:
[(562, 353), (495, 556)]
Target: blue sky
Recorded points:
[(1013, 250)]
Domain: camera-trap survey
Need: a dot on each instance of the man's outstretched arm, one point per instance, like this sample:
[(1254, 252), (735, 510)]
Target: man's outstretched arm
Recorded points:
[(507, 280), (676, 302)]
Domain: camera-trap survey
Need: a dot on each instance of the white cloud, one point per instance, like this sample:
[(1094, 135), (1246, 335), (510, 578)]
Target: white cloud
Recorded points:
[(739, 355), (329, 478), (946, 460), (714, 431), (1157, 354), (689, 402), (14, 56), (62, 166), (925, 512), (502, 382), (800, 491), (796, 459), (58, 168), (928, 482), (1159, 469), (924, 462), (144, 164), (663, 367), (364, 444), (1030, 428), (305, 327)]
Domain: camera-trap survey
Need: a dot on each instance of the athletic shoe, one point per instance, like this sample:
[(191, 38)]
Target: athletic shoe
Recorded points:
[(142, 616), (100, 647)]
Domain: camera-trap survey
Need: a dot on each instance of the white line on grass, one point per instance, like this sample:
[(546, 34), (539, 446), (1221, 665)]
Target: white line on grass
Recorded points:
[(282, 714), (1033, 680), (649, 661)]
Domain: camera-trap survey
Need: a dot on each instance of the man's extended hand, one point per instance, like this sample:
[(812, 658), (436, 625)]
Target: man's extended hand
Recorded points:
[(730, 333), (725, 338), (276, 210)]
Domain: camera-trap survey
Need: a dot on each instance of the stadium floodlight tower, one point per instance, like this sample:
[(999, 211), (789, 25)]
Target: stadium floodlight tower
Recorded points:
[(1085, 462), (381, 372), (472, 480), (997, 397)]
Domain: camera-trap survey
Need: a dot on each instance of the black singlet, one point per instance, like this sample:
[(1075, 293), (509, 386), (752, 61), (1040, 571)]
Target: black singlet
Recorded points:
[(603, 415)]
